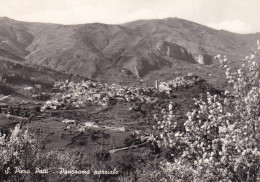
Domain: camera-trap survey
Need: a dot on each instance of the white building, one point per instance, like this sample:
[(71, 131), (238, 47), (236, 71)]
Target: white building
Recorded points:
[(69, 121), (90, 124)]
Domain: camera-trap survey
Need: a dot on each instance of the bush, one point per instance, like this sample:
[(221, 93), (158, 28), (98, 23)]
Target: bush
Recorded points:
[(24, 150)]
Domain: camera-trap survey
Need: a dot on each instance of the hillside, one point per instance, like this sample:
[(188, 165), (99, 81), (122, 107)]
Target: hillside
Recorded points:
[(143, 49), (16, 76)]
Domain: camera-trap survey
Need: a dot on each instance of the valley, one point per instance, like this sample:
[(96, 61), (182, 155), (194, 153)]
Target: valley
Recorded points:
[(127, 96), (111, 111)]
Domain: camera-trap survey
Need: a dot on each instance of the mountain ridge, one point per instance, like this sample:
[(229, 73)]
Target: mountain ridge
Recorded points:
[(121, 52), (36, 22)]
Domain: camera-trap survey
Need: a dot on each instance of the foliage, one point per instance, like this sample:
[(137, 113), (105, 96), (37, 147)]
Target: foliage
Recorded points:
[(219, 141), (221, 137), (22, 154)]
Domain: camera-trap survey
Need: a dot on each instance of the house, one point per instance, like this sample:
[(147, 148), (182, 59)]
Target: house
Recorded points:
[(69, 121), (122, 128), (164, 86), (28, 88), (90, 124), (81, 129)]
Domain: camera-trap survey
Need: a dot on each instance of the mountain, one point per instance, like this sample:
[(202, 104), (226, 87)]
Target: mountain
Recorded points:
[(143, 49)]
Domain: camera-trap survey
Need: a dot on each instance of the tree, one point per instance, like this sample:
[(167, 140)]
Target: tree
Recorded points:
[(221, 137)]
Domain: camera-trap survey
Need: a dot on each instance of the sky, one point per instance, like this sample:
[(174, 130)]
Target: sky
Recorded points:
[(239, 16)]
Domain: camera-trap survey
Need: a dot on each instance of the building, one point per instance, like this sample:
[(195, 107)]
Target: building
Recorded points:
[(69, 121), (90, 124)]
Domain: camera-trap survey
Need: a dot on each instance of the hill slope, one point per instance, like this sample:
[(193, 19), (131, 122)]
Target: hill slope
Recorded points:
[(122, 53)]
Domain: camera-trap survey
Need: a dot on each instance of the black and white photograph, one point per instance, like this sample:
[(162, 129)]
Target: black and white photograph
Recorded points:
[(129, 91)]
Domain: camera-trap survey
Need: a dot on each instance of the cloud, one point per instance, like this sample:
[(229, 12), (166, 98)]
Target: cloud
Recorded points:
[(236, 26)]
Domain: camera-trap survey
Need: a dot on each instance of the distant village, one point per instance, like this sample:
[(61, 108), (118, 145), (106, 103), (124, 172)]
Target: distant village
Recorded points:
[(79, 95), (68, 95)]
